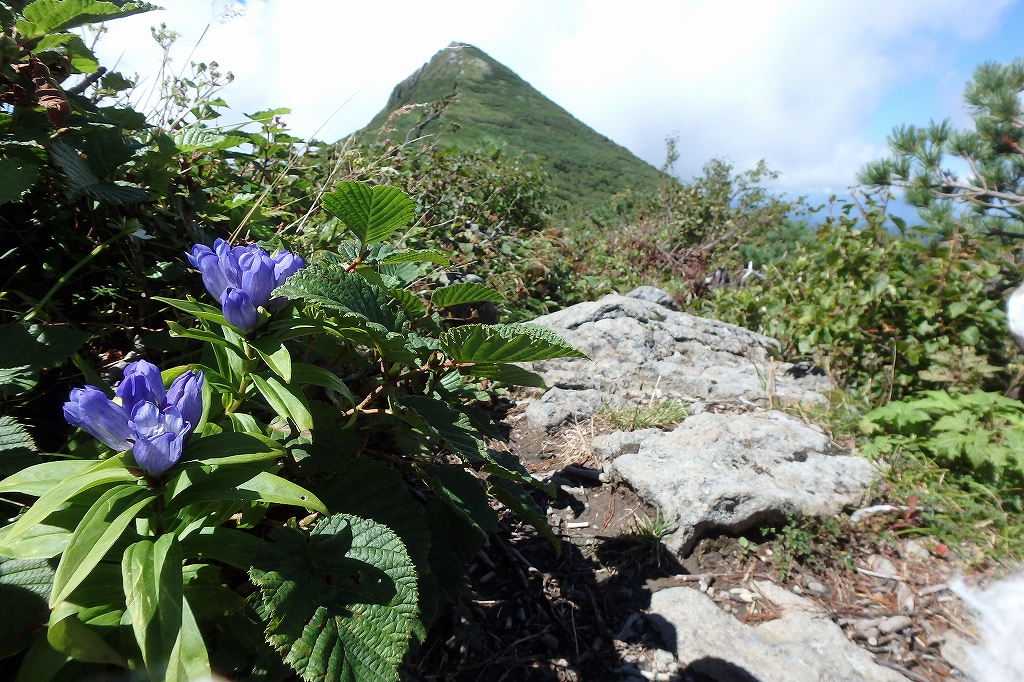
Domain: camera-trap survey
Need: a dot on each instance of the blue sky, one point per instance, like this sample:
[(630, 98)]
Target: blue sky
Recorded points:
[(812, 87)]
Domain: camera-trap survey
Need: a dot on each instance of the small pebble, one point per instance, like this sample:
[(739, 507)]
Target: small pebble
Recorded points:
[(818, 589), (894, 624)]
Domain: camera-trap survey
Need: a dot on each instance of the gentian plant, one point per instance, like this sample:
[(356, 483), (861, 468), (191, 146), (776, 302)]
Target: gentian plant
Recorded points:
[(146, 418), (300, 493)]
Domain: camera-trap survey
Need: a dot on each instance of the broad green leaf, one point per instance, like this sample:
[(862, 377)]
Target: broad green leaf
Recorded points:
[(41, 478), (151, 576), (318, 376), (78, 641), (512, 375), (16, 177), (434, 256), (454, 540), (44, 540), (372, 490), (465, 494), (371, 214), (327, 283), (505, 343), (265, 116), (107, 472), (464, 292), (17, 450), (194, 138), (219, 543), (453, 426), (189, 659), (50, 16), (230, 448), (27, 349), (506, 465), (200, 310), (41, 662), (177, 331), (277, 357), (286, 400), (514, 496), (24, 588), (100, 528), (244, 483), (410, 302), (340, 604)]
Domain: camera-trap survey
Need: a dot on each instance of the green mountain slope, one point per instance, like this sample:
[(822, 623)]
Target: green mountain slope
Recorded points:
[(488, 102)]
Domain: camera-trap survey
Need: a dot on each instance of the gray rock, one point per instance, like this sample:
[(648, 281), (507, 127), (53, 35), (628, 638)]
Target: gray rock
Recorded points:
[(730, 472), (640, 350), (956, 651), (608, 446), (653, 295), (559, 406), (802, 646)]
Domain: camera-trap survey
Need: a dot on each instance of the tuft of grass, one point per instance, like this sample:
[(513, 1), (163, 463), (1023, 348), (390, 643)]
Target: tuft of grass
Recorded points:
[(643, 544), (663, 414), (975, 518)]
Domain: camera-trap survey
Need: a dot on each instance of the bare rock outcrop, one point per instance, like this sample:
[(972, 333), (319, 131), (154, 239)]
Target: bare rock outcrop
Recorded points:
[(726, 473), (640, 350)]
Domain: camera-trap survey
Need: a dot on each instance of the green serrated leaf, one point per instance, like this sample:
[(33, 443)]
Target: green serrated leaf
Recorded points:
[(372, 490), (340, 604), (16, 178), (24, 590), (465, 494), (434, 256), (371, 214), (194, 138), (50, 16), (464, 292), (17, 450), (505, 343), (27, 349), (327, 283), (450, 424), (512, 375), (515, 497)]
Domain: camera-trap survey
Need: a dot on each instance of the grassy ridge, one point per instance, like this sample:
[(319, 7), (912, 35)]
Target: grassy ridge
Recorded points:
[(488, 102)]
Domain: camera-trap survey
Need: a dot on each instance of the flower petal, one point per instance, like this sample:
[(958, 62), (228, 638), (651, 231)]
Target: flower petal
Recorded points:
[(142, 383), (158, 454), (257, 275), (238, 309), (91, 410), (186, 394)]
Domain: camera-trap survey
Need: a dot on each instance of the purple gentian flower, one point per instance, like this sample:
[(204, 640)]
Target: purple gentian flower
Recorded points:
[(149, 420), (243, 278)]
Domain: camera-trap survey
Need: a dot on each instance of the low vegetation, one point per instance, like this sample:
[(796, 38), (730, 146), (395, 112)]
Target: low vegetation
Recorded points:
[(338, 428)]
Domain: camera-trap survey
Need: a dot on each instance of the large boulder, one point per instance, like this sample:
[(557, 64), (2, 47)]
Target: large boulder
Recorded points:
[(728, 472), (804, 645), (640, 350)]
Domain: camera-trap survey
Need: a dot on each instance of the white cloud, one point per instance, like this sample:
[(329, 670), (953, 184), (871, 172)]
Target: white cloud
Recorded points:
[(791, 81)]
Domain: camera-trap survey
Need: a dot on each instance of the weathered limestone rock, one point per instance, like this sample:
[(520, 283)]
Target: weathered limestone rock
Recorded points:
[(730, 472), (641, 350), (804, 645)]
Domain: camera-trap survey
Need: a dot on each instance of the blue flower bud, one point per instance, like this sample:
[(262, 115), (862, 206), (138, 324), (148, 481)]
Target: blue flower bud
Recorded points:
[(257, 274), (91, 410), (142, 383), (186, 395), (208, 263), (238, 309)]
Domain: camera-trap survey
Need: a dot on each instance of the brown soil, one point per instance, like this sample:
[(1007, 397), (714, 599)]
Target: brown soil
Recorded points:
[(580, 615)]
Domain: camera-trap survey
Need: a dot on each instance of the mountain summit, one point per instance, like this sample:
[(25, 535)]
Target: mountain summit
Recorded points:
[(488, 102)]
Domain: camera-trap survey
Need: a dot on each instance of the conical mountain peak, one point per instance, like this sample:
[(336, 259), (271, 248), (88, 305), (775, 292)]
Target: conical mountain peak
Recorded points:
[(488, 102)]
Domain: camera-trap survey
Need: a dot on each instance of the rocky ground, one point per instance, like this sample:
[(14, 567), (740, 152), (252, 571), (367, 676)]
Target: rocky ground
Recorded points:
[(666, 571)]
